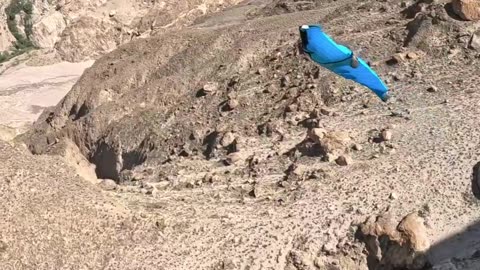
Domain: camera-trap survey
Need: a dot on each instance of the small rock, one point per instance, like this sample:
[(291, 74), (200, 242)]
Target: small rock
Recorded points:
[(291, 108), (383, 149), (112, 13), (393, 196), (146, 191), (329, 157), (327, 111), (270, 89), (284, 184), (404, 4), (386, 135), (234, 158), (467, 9), (399, 77), (232, 104), (344, 160), (357, 147), (330, 247), (108, 184), (316, 134), (210, 87), (209, 178), (253, 193), (162, 185), (227, 139), (453, 52), (412, 56), (262, 71), (221, 128), (475, 41), (397, 59), (299, 171), (285, 81), (432, 89)]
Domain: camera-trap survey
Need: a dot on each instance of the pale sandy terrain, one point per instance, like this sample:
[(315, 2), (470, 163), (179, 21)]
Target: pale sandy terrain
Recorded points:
[(25, 90)]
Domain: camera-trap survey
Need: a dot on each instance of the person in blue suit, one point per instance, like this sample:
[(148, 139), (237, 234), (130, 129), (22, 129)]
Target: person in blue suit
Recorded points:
[(339, 59)]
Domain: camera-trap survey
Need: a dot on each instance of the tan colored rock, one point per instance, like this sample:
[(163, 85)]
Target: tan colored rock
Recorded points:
[(227, 139), (412, 56), (47, 31), (210, 87), (414, 231), (387, 135), (232, 104), (87, 37), (467, 9), (475, 41), (316, 134), (236, 158), (335, 142), (398, 58), (108, 184), (344, 160), (406, 245)]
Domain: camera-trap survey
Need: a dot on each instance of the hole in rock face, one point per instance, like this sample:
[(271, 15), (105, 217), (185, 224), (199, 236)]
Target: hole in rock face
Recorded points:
[(110, 161), (107, 162), (210, 141), (76, 113)]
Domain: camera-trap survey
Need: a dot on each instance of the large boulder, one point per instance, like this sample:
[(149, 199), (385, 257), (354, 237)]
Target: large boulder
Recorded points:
[(47, 31), (403, 246), (87, 37), (467, 9)]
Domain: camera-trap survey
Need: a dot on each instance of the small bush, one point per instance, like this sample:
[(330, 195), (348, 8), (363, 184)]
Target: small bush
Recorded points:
[(22, 43)]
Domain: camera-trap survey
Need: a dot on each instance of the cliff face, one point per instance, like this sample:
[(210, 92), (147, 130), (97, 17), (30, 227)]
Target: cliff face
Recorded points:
[(6, 38), (82, 30)]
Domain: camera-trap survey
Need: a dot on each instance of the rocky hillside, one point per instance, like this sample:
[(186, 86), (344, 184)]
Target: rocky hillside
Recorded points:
[(238, 153), (82, 30)]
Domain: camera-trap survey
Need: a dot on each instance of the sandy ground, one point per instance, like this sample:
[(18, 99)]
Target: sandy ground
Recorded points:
[(25, 90), (277, 201)]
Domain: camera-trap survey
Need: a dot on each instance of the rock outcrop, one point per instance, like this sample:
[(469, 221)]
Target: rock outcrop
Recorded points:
[(87, 37), (82, 30), (396, 247), (467, 9), (6, 38), (47, 32)]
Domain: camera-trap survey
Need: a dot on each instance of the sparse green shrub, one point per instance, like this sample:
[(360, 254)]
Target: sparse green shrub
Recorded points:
[(22, 43)]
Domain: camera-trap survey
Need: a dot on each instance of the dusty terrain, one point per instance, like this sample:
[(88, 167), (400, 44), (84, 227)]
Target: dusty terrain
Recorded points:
[(217, 146)]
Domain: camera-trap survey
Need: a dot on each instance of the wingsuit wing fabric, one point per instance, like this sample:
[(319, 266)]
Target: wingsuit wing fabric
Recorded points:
[(338, 58)]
